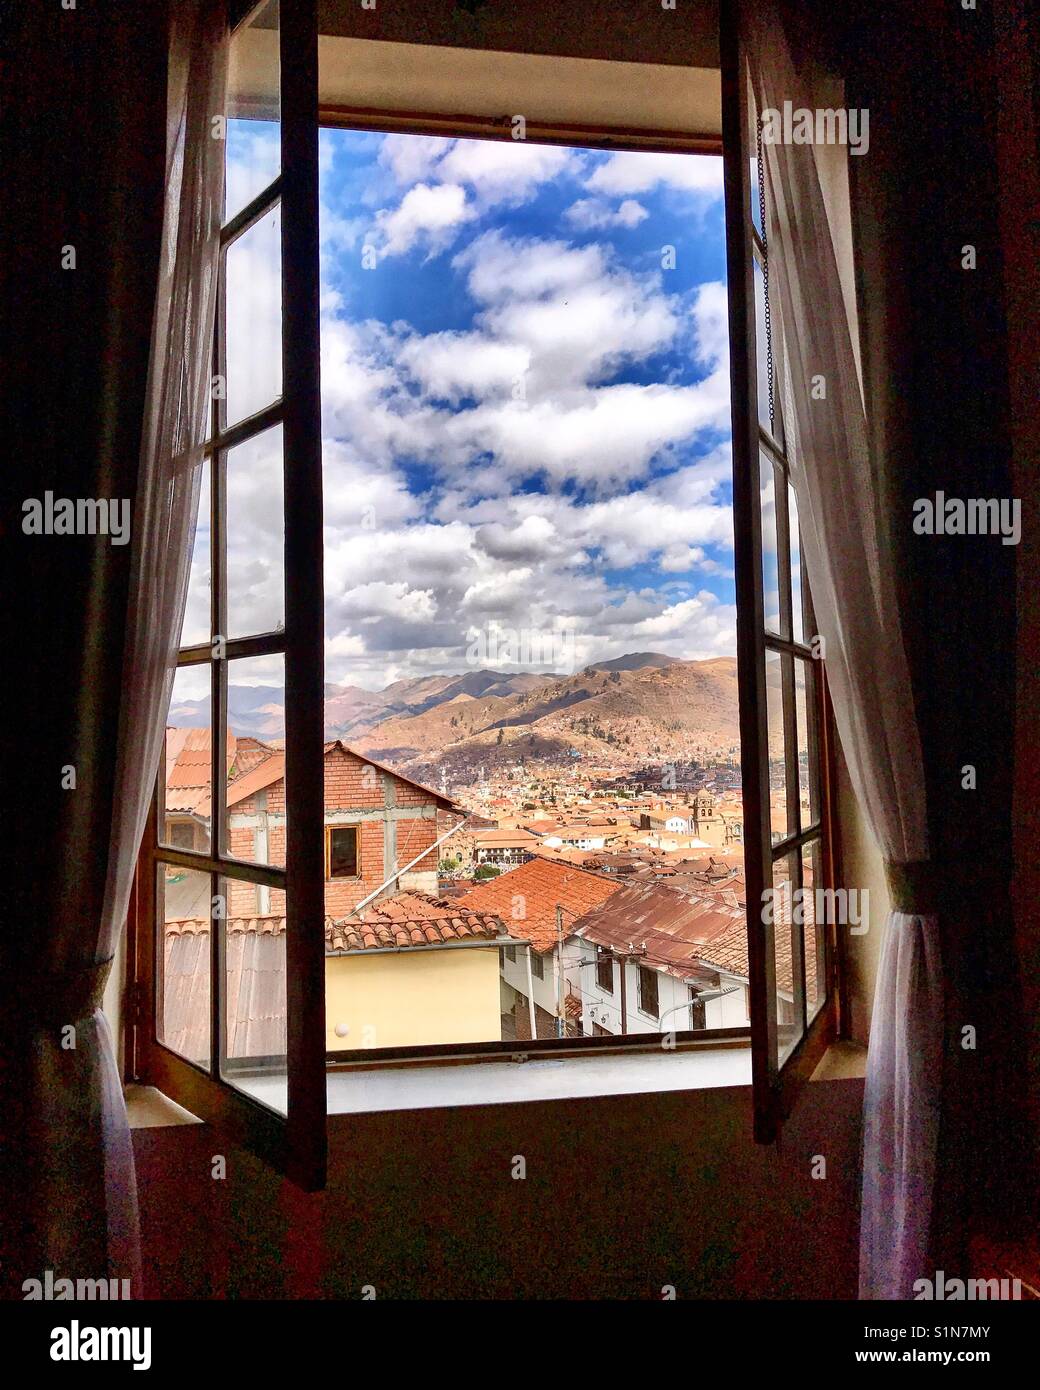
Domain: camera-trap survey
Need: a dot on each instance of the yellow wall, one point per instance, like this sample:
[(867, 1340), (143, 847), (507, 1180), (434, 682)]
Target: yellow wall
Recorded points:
[(409, 997)]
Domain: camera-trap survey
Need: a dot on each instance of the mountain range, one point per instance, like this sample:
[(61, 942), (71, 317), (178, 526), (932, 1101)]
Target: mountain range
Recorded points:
[(628, 710)]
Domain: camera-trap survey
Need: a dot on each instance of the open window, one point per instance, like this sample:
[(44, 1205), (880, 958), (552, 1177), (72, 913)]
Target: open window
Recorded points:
[(218, 1005), (789, 850), (316, 850)]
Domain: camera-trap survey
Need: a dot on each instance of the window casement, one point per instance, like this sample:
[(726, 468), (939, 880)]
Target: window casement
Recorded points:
[(250, 860), (272, 858), (605, 970), (342, 856), (648, 992), (789, 847)]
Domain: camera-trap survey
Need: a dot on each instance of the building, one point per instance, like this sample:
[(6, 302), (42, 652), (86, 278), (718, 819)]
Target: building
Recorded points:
[(506, 848), (539, 901), (381, 828), (407, 970)]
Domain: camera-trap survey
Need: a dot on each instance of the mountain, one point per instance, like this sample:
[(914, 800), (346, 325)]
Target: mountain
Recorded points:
[(255, 710), (351, 712), (607, 713), (634, 662), (630, 711)]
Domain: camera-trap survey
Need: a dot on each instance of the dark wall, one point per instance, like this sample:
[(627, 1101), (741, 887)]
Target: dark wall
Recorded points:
[(622, 1196)]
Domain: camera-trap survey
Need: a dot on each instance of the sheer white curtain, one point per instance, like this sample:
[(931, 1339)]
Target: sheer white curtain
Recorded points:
[(841, 506), (165, 509)]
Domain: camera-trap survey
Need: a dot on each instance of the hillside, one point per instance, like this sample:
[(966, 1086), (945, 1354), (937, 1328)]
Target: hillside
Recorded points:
[(617, 715)]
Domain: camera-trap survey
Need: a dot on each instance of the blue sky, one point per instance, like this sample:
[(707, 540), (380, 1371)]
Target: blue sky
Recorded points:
[(525, 404)]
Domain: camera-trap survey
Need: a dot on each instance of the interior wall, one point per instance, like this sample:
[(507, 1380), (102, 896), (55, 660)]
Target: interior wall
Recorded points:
[(622, 1196)]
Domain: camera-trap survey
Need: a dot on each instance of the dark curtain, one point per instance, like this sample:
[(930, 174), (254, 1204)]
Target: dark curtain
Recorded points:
[(936, 376), (83, 158)]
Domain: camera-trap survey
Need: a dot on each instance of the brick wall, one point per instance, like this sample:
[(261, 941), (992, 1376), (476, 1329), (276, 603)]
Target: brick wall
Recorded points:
[(351, 784)]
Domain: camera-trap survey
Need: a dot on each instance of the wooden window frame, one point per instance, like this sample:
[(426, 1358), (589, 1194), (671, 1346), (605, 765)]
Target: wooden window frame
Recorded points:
[(604, 958), (342, 878), (776, 1082), (293, 1142), (646, 973), (303, 572)]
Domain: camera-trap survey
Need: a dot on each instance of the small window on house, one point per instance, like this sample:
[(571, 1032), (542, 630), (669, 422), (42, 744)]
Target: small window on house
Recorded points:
[(341, 856), (605, 970), (648, 1001), (698, 1011), (511, 954), (537, 966)]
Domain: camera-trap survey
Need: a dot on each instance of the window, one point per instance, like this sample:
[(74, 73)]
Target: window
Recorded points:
[(648, 999), (605, 970), (254, 626), (341, 851), (478, 515), (788, 852), (698, 1011)]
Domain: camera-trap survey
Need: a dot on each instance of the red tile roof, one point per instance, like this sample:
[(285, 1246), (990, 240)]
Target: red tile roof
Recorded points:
[(411, 919), (534, 890)]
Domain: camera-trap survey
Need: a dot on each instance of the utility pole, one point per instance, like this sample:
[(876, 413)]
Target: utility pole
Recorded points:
[(622, 961)]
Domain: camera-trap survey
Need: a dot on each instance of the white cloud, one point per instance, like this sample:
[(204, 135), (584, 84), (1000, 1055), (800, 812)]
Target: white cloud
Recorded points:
[(590, 213), (638, 171), (430, 210)]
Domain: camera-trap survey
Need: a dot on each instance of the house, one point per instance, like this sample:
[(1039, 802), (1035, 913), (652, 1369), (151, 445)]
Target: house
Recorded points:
[(386, 982), (381, 828), (504, 847), (540, 901)]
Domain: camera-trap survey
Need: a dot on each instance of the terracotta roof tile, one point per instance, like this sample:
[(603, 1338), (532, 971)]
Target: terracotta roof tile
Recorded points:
[(534, 889)]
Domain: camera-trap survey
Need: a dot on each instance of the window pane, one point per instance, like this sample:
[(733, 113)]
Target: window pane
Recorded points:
[(196, 625), (341, 842), (779, 823), (254, 1051), (762, 347), (186, 820), (182, 997), (788, 1010), (256, 809), (815, 954), (255, 536), (253, 319), (253, 147), (770, 563), (796, 567), (808, 754)]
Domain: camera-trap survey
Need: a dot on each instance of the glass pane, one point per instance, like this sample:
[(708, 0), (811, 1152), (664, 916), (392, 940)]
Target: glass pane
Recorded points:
[(815, 954), (254, 318), (753, 143), (770, 570), (808, 755), (183, 988), (255, 536), (253, 152), (796, 567), (196, 625), (788, 1009), (779, 824), (186, 820), (256, 814), (253, 1055), (762, 347)]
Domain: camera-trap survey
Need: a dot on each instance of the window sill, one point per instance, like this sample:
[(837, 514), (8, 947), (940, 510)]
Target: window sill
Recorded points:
[(382, 1089), (147, 1108)]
